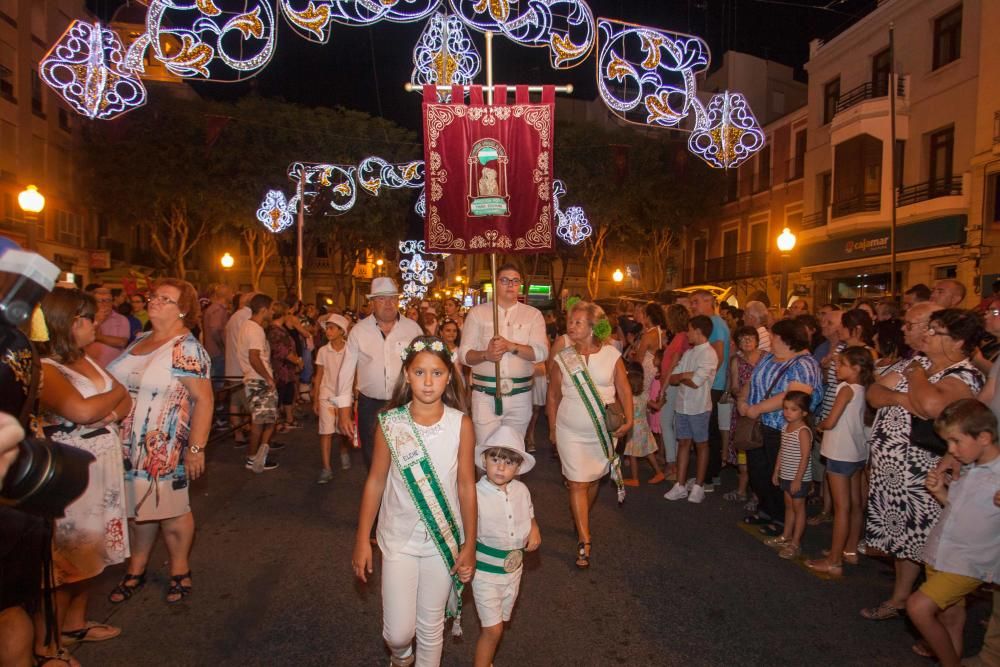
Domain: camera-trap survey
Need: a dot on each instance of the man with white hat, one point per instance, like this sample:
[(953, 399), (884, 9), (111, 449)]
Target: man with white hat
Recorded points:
[(505, 529), (520, 342), (329, 359), (373, 356)]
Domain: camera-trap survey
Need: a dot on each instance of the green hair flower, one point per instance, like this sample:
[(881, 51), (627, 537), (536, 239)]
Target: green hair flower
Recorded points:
[(572, 301), (602, 329)]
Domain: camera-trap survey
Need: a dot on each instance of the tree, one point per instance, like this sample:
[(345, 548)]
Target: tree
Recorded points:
[(261, 247)]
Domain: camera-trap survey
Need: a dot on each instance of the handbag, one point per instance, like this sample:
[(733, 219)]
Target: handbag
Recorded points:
[(614, 416), (747, 432), (923, 435)]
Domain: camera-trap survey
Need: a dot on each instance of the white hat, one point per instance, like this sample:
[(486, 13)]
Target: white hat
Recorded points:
[(508, 438), (339, 320), (383, 286)]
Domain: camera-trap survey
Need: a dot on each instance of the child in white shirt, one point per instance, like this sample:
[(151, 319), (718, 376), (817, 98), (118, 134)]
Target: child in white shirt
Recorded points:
[(328, 361), (506, 529)]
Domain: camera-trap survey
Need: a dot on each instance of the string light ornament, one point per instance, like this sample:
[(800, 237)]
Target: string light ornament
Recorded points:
[(445, 55), (417, 272), (648, 76), (86, 68), (340, 183), (275, 212), (572, 226)]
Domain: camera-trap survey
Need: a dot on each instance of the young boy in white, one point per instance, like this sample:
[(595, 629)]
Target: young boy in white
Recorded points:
[(506, 529), (329, 358), (693, 376)]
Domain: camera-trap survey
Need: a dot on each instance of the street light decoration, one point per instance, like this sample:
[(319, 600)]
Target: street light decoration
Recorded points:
[(417, 272), (786, 241), (728, 132), (445, 54), (86, 68), (572, 226), (227, 261), (275, 212), (31, 200), (618, 276)]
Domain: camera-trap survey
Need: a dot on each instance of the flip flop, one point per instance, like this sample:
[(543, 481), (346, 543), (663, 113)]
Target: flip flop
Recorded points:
[(883, 612), (923, 650), (92, 631)]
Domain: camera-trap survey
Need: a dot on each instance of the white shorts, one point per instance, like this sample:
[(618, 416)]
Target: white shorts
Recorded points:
[(327, 418), (495, 596), (725, 416)]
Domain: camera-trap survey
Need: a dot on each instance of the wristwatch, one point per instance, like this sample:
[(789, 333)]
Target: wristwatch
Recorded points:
[(195, 449)]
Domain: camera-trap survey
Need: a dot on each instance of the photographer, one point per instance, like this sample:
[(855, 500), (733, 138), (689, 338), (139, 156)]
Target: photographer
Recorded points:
[(15, 625)]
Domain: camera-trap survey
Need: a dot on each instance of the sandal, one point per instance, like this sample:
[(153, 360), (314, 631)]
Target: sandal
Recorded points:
[(776, 542), (883, 612), (922, 649), (819, 519), (850, 557), (790, 551), (92, 631), (125, 589), (735, 497), (582, 555), (825, 567), (176, 588), (60, 656)]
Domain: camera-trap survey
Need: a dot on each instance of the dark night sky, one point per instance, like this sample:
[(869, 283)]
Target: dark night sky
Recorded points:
[(344, 72)]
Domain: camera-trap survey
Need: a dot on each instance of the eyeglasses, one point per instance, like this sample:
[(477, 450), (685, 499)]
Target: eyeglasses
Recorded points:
[(907, 324), (104, 300), (931, 331), (510, 282), (995, 312), (160, 298)]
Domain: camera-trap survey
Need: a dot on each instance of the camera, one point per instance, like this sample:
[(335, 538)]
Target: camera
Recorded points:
[(46, 477), (25, 278)]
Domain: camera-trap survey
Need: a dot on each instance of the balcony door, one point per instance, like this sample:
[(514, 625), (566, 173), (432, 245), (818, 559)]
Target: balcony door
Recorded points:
[(730, 248), (880, 74), (698, 265), (942, 149)]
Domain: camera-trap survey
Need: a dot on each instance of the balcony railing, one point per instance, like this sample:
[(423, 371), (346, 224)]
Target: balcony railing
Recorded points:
[(865, 203), (996, 127), (866, 91), (115, 248), (742, 265), (942, 187), (814, 220)]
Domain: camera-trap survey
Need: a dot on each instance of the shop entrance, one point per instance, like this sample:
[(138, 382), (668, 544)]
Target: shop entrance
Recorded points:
[(845, 290)]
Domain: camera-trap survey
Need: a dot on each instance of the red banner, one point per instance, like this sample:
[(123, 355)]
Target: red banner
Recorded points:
[(488, 173)]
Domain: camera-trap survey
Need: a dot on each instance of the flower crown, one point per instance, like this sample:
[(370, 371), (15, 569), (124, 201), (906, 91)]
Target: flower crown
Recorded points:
[(420, 346)]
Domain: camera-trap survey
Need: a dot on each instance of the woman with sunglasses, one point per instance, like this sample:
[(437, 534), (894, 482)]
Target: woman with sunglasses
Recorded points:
[(167, 373), (901, 512)]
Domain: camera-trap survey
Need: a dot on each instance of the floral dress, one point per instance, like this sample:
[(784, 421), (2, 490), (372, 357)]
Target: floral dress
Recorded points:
[(155, 433), (92, 535), (640, 441), (901, 512), (744, 370)]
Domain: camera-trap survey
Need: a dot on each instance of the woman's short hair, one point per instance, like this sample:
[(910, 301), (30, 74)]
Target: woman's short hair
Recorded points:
[(745, 331), (677, 318), (187, 303), (61, 307), (591, 311), (792, 333), (963, 325)]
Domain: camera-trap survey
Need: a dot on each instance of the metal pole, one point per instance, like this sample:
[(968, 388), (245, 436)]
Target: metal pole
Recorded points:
[(892, 162), (300, 226), (497, 397), (784, 284)]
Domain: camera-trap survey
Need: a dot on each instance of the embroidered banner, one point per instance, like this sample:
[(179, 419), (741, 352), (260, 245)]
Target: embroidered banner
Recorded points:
[(489, 172)]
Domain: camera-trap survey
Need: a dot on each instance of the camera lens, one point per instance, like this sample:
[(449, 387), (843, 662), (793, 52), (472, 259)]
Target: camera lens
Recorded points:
[(46, 477)]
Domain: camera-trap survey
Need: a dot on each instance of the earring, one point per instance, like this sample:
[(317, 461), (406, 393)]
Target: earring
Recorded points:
[(181, 316)]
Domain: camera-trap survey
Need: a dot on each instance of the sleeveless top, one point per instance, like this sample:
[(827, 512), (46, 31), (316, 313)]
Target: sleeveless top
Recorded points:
[(846, 441), (791, 455)]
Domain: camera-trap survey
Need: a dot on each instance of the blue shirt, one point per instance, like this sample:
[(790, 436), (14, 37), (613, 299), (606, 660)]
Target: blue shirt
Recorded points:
[(720, 332), (821, 350), (802, 369)]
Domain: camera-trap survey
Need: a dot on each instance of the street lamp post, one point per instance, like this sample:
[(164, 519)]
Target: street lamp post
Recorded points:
[(227, 261), (31, 202), (786, 243), (617, 277), (379, 263)]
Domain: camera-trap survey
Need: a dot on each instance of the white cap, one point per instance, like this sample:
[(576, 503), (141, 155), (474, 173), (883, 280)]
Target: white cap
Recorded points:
[(339, 320), (507, 438)]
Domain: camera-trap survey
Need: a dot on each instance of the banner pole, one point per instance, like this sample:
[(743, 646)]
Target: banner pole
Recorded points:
[(497, 396), (299, 227)]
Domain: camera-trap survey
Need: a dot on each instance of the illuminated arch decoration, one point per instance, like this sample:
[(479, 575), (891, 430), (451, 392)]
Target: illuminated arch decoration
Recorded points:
[(214, 40), (374, 173), (572, 226), (417, 271), (275, 212), (86, 68), (728, 133), (445, 54)]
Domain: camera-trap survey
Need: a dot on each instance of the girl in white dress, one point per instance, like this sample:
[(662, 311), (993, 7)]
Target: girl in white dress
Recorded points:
[(424, 561), (584, 459)]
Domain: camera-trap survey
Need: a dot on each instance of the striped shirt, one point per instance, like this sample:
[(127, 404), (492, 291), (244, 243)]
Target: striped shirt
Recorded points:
[(791, 455), (830, 386)]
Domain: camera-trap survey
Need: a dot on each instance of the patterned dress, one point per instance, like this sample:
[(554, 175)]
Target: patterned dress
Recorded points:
[(640, 442), (155, 433), (92, 535), (901, 512), (744, 370)]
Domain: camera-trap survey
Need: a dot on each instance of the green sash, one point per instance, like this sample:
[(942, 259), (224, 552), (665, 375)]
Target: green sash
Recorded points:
[(410, 457), (572, 364)]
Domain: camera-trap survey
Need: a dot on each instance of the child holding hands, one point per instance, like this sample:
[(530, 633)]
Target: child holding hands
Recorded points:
[(963, 549), (425, 514), (793, 473), (507, 528)]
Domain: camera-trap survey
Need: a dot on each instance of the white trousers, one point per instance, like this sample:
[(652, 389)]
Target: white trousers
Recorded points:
[(667, 425), (516, 413), (415, 592)]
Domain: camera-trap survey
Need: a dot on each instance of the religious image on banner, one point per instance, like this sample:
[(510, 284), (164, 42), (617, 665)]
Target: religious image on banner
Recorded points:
[(489, 172)]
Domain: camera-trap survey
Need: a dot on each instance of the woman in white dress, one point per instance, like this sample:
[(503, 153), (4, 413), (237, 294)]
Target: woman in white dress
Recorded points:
[(80, 404), (572, 420)]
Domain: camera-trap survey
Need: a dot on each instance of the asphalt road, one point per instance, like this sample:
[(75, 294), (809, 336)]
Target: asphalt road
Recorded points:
[(670, 584)]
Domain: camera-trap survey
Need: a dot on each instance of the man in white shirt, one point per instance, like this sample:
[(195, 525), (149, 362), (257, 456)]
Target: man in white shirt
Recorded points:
[(237, 398), (520, 342), (694, 375), (258, 379), (373, 358)]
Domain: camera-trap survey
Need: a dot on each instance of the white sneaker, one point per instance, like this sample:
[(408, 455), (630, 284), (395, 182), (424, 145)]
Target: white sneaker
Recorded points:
[(345, 461), (678, 492), (260, 458), (689, 483), (325, 476), (697, 494)]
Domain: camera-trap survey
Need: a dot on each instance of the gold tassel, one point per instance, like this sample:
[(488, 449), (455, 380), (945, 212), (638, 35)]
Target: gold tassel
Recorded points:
[(39, 330)]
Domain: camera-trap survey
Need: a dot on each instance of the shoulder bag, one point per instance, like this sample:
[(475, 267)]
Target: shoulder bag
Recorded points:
[(746, 433)]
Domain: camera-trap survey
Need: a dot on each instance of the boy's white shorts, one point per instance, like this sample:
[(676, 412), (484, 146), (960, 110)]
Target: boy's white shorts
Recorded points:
[(495, 596), (327, 418)]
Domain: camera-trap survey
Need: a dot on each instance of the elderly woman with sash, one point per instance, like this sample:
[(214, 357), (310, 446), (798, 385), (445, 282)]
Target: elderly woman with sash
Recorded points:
[(423, 477), (589, 407)]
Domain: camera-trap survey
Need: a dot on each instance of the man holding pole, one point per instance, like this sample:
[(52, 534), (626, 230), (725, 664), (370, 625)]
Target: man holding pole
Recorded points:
[(518, 343)]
